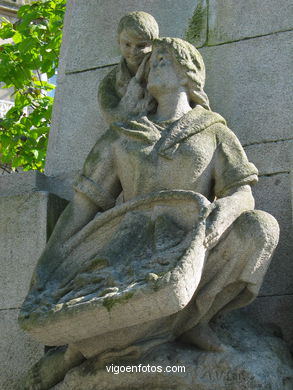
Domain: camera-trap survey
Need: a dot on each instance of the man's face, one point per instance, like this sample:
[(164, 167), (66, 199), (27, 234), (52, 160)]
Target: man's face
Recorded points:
[(133, 47)]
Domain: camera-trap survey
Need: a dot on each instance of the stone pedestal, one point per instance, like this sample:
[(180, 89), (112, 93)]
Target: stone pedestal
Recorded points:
[(255, 359)]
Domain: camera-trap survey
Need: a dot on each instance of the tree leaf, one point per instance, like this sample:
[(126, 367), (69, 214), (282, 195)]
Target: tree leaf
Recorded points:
[(35, 50)]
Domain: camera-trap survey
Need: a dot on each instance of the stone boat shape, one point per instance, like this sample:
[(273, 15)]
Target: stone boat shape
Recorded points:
[(136, 262)]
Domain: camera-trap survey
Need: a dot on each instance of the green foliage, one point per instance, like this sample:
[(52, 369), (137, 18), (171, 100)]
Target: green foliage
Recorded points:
[(34, 51)]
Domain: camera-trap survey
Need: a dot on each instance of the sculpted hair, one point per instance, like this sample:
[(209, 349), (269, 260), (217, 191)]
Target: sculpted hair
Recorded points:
[(191, 64), (141, 22)]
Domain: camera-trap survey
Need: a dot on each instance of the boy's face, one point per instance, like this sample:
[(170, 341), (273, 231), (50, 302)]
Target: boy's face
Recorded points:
[(133, 47)]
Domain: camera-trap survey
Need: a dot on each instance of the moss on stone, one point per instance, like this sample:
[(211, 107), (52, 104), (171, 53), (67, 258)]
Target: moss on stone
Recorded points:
[(107, 95), (89, 367), (96, 264), (196, 24), (111, 301)]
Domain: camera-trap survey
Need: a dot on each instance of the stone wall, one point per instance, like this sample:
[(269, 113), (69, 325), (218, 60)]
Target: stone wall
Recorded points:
[(248, 55), (28, 212)]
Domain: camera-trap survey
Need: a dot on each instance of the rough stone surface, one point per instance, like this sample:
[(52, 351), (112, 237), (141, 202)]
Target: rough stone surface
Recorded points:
[(21, 243), (231, 20), (272, 194), (133, 272), (28, 214), (61, 185), (271, 157), (247, 82), (276, 312), (26, 222), (18, 351), (24, 204), (76, 122), (92, 41), (20, 183), (32, 181), (254, 360)]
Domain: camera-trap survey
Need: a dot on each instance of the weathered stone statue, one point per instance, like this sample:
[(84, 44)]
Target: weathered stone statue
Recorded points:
[(186, 244), (122, 92)]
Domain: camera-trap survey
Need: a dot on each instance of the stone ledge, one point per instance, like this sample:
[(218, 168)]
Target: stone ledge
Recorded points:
[(20, 183), (33, 181)]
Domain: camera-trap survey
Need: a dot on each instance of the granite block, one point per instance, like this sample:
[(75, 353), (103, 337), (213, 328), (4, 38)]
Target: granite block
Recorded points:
[(248, 83), (76, 122), (271, 157), (231, 20), (18, 351), (272, 194)]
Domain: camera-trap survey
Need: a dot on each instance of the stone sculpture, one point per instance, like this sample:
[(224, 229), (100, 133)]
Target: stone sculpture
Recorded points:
[(185, 244), (122, 92)]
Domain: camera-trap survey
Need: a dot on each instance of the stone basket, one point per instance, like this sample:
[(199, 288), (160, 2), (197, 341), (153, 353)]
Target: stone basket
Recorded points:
[(158, 237)]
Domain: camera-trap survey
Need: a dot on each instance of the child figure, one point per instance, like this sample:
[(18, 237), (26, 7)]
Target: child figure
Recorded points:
[(122, 92)]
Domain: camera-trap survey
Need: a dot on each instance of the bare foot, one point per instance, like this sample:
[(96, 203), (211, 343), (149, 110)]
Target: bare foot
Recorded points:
[(51, 368), (204, 338)]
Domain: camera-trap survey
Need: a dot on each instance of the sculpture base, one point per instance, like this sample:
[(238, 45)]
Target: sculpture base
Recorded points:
[(255, 359)]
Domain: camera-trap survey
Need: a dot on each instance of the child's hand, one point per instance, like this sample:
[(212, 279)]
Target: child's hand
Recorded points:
[(143, 69)]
